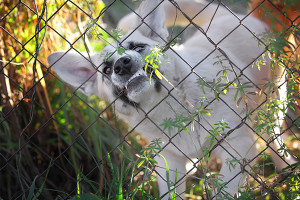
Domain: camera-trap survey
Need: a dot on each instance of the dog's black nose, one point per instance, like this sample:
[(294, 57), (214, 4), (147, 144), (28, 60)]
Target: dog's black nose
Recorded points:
[(123, 66)]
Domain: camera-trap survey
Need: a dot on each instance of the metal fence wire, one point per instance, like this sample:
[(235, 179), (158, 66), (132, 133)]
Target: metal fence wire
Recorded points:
[(57, 143)]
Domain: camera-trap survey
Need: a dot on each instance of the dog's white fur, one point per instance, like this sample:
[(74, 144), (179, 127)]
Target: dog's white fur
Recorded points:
[(153, 103)]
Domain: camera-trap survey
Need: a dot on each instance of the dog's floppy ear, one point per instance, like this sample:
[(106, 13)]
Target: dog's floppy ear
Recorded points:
[(75, 70), (154, 22)]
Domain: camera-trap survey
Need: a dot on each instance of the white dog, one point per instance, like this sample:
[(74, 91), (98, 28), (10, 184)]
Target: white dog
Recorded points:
[(192, 71)]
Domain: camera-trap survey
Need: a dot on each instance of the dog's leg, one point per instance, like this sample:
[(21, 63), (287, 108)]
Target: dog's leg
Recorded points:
[(280, 157), (176, 171), (238, 151)]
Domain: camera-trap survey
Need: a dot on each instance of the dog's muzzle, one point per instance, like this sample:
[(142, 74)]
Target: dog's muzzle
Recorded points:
[(130, 77), (124, 66), (127, 70)]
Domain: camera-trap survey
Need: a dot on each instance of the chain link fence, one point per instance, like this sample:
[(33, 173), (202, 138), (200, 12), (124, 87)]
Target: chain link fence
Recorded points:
[(56, 143)]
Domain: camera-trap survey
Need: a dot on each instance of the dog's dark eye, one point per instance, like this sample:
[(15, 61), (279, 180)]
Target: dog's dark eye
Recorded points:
[(138, 48), (107, 70)]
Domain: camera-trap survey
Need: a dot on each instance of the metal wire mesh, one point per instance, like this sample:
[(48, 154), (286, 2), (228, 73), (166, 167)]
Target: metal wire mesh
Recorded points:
[(58, 144)]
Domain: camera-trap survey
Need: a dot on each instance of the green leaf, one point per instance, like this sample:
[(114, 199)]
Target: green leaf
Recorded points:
[(146, 66), (185, 129), (121, 51), (120, 191), (152, 160), (260, 127), (158, 74), (167, 171), (32, 188), (86, 196), (140, 164), (268, 130)]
